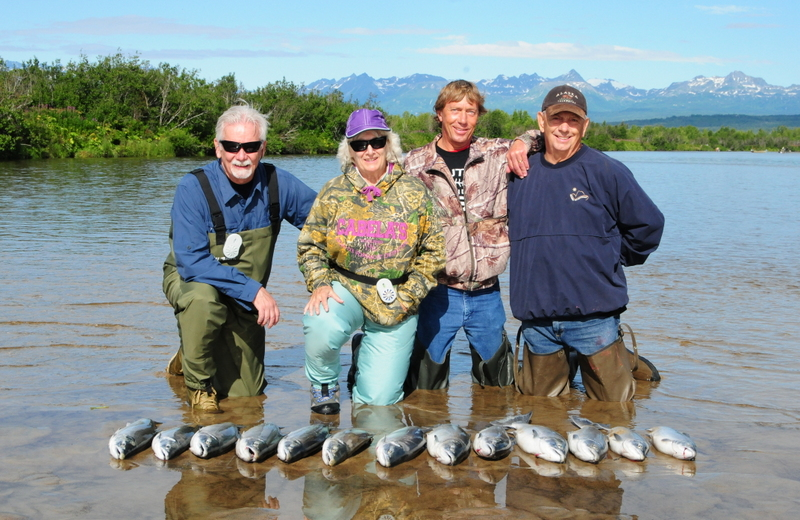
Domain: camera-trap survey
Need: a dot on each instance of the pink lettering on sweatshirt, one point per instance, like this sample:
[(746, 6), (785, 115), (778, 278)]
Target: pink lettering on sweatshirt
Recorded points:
[(372, 229)]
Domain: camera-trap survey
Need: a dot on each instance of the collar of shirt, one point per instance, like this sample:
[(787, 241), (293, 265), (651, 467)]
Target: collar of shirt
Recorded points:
[(229, 195)]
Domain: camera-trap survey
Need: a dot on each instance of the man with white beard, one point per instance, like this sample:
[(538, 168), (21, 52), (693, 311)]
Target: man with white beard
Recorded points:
[(225, 219)]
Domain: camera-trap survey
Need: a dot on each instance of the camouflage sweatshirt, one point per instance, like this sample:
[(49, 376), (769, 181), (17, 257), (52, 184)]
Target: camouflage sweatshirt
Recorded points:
[(381, 231), (477, 238)]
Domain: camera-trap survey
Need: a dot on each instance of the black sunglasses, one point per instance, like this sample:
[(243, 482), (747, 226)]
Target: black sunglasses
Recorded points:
[(234, 147), (361, 145)]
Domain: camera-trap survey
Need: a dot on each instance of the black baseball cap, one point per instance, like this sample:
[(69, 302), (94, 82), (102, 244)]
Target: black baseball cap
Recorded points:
[(565, 98)]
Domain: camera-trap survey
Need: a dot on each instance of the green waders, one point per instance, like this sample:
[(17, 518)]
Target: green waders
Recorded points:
[(221, 341)]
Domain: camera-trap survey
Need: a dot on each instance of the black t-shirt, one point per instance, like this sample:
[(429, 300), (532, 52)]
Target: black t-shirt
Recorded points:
[(244, 190), (456, 161)]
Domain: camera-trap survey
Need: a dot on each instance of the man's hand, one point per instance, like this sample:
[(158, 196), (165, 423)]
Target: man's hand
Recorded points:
[(517, 159), (320, 298), (268, 312)]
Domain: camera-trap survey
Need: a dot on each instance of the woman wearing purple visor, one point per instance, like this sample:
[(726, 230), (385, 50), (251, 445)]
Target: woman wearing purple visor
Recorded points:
[(370, 250)]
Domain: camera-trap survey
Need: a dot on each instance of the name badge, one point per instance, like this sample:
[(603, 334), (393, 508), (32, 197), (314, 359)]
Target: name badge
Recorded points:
[(386, 290), (232, 247)]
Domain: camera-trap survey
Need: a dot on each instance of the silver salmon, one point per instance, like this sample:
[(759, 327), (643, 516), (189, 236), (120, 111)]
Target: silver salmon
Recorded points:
[(627, 443), (258, 443), (213, 440), (131, 438), (344, 444), (672, 442), (588, 443), (448, 444), (303, 442), (400, 446), (493, 443), (541, 441), (170, 443)]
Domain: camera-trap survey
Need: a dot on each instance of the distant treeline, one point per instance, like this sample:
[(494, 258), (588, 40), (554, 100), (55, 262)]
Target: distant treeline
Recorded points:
[(122, 106), (715, 122)]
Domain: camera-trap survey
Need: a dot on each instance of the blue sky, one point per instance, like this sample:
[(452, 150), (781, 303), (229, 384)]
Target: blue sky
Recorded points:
[(643, 44)]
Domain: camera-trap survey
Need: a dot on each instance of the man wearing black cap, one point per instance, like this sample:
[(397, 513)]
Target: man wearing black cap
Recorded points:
[(575, 221)]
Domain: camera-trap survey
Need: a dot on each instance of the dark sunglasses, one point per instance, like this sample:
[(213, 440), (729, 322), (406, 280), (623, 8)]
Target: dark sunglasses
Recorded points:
[(234, 147), (361, 145)]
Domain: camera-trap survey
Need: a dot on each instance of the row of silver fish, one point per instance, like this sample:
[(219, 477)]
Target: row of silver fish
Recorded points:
[(254, 445), (449, 444), (589, 444)]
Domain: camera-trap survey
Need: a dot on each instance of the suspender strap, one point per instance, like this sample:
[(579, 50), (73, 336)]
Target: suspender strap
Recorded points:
[(217, 218), (367, 279), (274, 199)]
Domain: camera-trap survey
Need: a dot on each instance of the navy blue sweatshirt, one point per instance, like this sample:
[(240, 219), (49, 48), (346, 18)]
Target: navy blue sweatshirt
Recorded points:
[(573, 226)]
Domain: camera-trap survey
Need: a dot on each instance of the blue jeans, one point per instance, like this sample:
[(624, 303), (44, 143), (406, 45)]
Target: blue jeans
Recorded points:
[(445, 310), (587, 337)]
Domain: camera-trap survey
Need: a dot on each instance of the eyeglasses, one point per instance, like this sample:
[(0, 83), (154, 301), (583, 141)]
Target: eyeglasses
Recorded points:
[(361, 144), (234, 147)]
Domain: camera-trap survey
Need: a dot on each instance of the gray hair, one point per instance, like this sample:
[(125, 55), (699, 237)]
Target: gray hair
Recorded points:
[(242, 114), (394, 152)]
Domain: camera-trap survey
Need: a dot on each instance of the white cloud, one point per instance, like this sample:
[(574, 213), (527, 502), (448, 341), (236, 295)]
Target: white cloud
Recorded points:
[(130, 24), (363, 31), (565, 51), (751, 26), (723, 9)]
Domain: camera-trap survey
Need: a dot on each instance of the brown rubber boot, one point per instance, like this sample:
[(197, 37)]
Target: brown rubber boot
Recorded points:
[(607, 374), (175, 365), (543, 375), (204, 400), (641, 367)]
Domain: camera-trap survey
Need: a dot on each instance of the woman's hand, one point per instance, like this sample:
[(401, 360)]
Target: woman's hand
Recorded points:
[(319, 298)]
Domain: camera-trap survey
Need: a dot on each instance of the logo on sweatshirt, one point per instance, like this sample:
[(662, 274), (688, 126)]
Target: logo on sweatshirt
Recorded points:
[(577, 195)]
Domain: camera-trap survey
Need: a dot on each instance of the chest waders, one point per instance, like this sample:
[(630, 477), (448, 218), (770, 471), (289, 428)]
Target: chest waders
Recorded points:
[(222, 343)]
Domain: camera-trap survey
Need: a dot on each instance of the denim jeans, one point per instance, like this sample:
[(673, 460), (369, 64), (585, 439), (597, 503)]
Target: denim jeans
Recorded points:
[(587, 337), (445, 310)]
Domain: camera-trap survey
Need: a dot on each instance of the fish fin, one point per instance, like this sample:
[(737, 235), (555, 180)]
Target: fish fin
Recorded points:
[(579, 421)]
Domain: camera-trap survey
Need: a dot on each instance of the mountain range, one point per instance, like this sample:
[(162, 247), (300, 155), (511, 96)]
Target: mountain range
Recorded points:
[(608, 100)]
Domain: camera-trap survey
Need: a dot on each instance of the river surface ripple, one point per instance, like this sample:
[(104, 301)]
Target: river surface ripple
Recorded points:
[(85, 334)]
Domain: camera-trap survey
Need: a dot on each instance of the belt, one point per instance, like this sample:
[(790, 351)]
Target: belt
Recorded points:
[(368, 279)]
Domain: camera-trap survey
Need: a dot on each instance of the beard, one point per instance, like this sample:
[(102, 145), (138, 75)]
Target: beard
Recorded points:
[(238, 171)]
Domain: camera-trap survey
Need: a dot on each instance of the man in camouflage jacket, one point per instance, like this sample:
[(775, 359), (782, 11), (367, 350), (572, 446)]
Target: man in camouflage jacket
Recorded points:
[(468, 177)]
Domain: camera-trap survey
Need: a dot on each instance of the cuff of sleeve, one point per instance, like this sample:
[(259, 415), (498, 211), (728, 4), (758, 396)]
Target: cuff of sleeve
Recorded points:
[(250, 290), (533, 140), (320, 281)]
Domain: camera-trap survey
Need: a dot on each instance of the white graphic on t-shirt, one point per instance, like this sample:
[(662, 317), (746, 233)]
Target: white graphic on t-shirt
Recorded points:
[(577, 195), (458, 178)]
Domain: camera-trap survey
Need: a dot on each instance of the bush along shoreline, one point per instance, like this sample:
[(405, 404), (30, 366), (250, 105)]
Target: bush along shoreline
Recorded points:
[(123, 106)]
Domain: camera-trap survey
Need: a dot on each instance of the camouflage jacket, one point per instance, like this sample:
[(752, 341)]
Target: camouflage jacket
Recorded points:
[(477, 238), (381, 233)]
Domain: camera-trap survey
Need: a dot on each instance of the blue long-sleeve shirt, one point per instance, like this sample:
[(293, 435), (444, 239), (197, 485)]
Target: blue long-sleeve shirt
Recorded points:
[(573, 226), (191, 224)]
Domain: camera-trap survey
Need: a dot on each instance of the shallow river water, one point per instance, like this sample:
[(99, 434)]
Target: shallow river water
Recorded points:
[(85, 335)]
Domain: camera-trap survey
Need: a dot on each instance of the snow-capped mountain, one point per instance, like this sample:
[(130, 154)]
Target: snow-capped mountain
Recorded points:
[(608, 100)]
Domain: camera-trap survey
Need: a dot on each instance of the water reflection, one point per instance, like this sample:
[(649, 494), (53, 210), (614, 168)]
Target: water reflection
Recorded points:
[(86, 335)]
